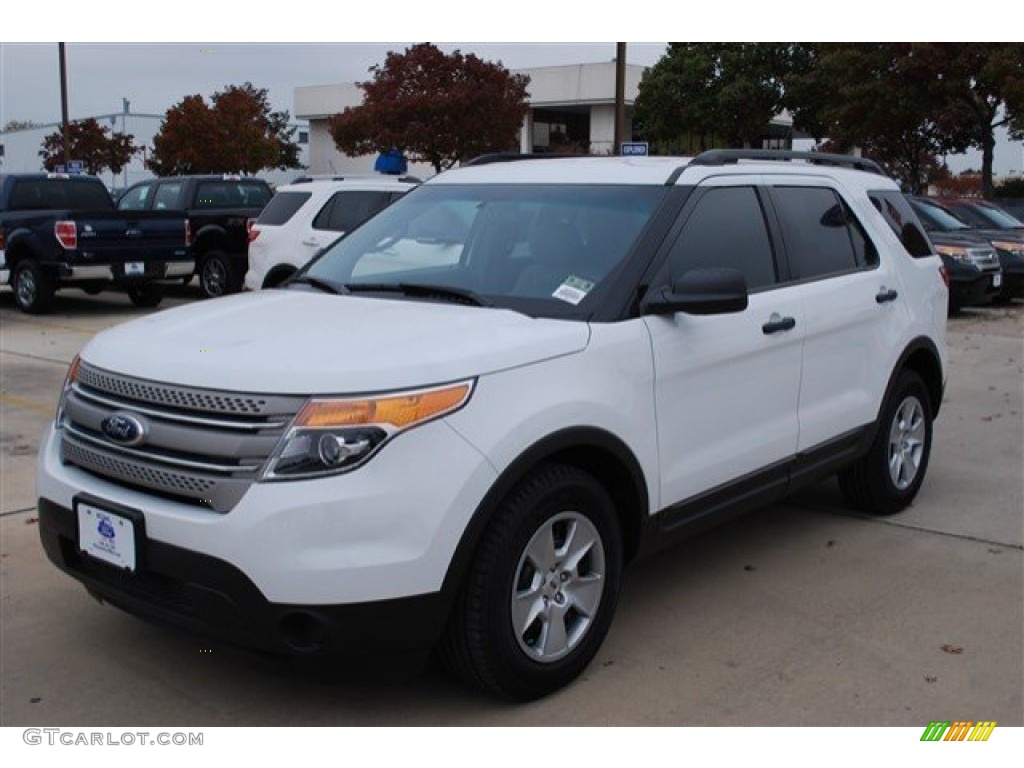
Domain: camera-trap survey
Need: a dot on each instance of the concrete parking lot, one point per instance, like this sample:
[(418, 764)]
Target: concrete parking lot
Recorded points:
[(801, 614)]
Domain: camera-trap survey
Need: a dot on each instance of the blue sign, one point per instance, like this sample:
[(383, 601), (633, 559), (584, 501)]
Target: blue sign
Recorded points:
[(634, 148), (75, 166)]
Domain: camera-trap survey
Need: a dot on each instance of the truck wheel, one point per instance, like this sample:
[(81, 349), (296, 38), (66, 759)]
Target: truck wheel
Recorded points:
[(146, 296), (33, 288), (216, 277), (542, 588), (889, 476)]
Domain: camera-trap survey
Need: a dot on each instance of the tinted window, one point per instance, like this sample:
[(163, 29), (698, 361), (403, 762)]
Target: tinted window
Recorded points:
[(935, 219), (900, 217), (822, 237), (282, 207), (347, 210), (231, 194), (985, 216), (55, 194), (726, 229), (135, 198), (167, 196)]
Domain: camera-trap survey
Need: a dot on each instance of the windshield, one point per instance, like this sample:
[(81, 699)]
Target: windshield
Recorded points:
[(986, 216), (935, 219), (540, 249)]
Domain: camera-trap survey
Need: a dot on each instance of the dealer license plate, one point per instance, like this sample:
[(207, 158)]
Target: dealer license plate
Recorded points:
[(106, 536), (997, 280), (134, 268)]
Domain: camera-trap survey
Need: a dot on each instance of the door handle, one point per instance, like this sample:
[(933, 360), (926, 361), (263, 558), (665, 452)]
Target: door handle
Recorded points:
[(312, 242), (777, 323), (886, 294)]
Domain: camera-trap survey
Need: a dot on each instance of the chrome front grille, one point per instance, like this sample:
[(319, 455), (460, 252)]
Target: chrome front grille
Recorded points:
[(983, 258), (197, 445)]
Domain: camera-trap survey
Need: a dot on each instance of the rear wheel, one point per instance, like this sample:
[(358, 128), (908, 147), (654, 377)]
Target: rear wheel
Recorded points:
[(216, 277), (33, 288), (889, 476), (145, 296), (542, 589)]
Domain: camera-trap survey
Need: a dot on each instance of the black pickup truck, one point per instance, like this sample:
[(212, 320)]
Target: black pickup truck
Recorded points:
[(60, 231), (218, 210)]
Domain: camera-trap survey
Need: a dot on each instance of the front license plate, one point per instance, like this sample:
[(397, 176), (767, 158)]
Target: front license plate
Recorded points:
[(134, 268), (997, 280), (106, 536)]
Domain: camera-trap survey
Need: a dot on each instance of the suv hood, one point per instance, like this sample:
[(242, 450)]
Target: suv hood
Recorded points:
[(295, 342)]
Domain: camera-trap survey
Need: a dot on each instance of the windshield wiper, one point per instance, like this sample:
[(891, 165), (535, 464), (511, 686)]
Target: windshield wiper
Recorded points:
[(425, 291), (324, 285)]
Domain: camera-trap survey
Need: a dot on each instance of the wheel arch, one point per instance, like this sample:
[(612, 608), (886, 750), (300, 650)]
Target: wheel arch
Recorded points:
[(922, 357), (209, 238), (600, 453), (278, 274)]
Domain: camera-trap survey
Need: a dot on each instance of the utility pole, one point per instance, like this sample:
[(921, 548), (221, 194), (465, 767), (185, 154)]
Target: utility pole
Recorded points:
[(64, 102), (620, 96)]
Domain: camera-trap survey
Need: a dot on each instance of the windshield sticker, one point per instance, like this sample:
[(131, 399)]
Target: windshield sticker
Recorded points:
[(573, 290)]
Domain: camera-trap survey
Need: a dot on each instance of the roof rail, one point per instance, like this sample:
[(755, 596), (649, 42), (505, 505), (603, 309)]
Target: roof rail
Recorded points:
[(510, 157), (733, 156)]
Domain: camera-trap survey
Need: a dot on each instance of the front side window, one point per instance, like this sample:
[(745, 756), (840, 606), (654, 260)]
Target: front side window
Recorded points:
[(822, 236), (545, 246), (726, 229)]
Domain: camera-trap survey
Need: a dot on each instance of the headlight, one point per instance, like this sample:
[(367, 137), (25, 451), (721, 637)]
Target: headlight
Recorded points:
[(953, 251), (1015, 247), (69, 380), (331, 435)]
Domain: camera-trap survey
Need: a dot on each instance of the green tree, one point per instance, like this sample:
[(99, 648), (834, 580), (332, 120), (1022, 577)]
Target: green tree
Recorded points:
[(95, 145), (727, 90), (435, 108), (874, 96), (236, 132), (977, 88)]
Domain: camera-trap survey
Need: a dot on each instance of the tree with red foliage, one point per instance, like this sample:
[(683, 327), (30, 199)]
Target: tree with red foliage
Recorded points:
[(435, 108), (236, 132), (95, 145)]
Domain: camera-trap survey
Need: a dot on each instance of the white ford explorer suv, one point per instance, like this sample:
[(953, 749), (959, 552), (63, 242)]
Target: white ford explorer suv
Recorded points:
[(458, 425), (307, 216)]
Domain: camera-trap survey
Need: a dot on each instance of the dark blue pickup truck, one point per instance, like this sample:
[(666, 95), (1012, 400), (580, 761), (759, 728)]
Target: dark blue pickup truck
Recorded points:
[(60, 231)]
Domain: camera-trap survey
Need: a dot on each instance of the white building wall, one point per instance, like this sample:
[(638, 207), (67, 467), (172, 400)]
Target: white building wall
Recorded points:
[(602, 129)]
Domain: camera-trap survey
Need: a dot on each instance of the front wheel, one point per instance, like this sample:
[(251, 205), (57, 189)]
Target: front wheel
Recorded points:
[(542, 589), (889, 476), (145, 296)]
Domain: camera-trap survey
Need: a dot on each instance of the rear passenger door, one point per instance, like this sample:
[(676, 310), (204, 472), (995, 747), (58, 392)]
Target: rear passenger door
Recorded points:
[(343, 212), (851, 307), (727, 386)]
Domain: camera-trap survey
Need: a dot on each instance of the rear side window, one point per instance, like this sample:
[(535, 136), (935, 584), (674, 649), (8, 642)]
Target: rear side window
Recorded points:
[(901, 218), (726, 229), (135, 198), (822, 236), (55, 194), (231, 194), (347, 210), (167, 196), (282, 207)]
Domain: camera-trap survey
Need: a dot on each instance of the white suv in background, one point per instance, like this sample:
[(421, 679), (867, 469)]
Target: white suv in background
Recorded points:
[(308, 215), (456, 427)]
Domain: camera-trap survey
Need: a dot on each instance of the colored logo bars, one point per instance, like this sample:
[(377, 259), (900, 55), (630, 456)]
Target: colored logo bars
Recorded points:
[(960, 730)]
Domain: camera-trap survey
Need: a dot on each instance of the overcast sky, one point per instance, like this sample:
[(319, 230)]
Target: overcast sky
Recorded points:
[(154, 76)]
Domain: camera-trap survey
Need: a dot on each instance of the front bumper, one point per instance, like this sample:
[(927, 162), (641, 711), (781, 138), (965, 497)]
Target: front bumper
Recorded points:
[(320, 566)]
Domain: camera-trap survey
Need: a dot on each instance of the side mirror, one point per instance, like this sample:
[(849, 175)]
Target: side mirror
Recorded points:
[(699, 292)]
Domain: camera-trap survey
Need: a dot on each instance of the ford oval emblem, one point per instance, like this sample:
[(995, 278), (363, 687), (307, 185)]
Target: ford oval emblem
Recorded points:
[(123, 428)]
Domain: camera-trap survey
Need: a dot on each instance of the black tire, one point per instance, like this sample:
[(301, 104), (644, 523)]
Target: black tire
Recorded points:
[(888, 477), (216, 275), (33, 287), (564, 611), (146, 296)]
